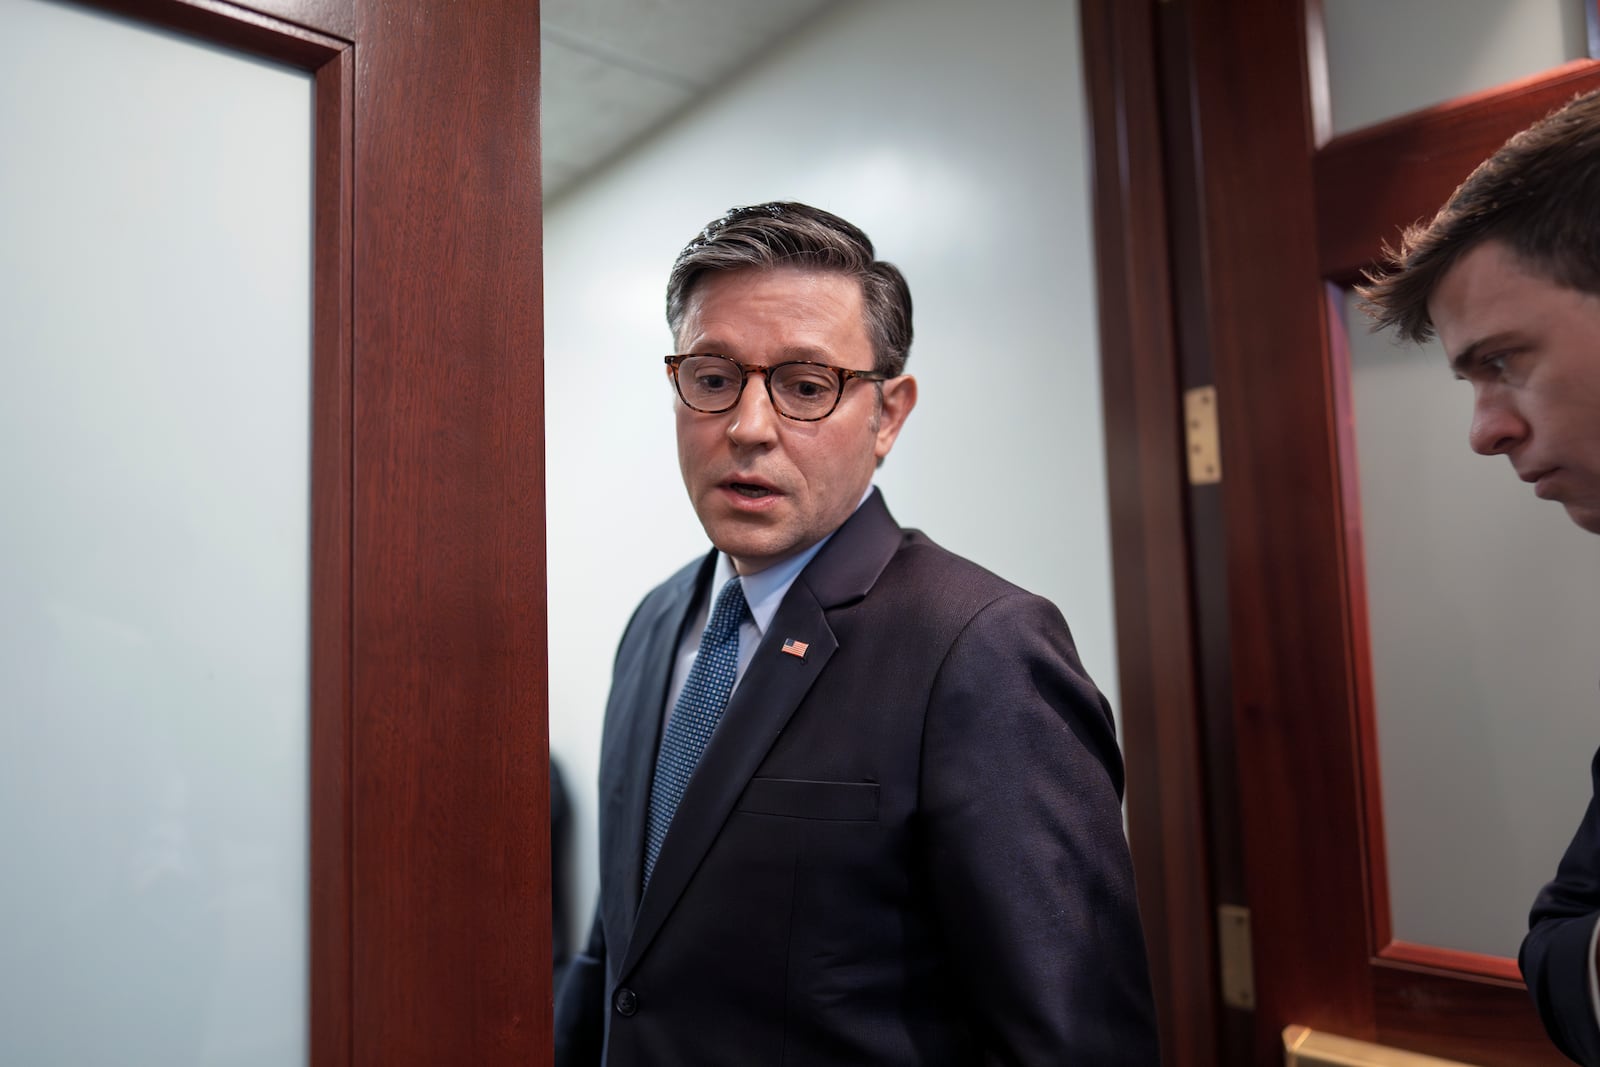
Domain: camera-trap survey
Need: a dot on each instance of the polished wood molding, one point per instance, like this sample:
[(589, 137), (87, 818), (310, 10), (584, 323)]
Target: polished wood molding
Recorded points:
[(332, 534), (330, 16), (1500, 969), (1166, 800), (1469, 1017), (451, 828), (1293, 702)]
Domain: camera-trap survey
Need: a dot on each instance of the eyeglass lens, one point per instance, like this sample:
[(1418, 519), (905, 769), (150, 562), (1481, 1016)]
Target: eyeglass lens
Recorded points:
[(798, 390)]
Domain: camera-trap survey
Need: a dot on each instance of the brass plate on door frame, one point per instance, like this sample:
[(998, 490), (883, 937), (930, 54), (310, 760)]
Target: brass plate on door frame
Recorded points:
[(1305, 1047)]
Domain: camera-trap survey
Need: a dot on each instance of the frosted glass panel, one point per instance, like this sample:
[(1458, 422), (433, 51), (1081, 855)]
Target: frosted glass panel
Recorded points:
[(155, 282), (1483, 603), (1388, 57)]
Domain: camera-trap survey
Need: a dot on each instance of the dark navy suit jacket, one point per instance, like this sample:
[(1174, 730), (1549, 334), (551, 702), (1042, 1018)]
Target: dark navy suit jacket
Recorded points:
[(1555, 954), (905, 848)]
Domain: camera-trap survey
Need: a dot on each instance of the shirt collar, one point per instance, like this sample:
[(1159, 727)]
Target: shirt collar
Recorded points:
[(765, 589)]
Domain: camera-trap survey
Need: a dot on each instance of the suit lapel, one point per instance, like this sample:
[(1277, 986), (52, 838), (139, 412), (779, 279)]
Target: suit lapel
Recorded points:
[(774, 685), (637, 708)]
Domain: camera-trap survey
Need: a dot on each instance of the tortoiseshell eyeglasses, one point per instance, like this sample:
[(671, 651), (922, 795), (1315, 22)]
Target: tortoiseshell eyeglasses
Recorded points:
[(799, 389)]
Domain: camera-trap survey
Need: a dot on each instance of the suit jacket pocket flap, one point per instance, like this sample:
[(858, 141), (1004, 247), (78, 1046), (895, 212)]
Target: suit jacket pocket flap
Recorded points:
[(797, 799)]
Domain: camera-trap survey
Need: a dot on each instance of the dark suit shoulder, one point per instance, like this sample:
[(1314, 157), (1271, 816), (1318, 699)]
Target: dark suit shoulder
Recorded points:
[(945, 605), (1555, 953), (949, 585)]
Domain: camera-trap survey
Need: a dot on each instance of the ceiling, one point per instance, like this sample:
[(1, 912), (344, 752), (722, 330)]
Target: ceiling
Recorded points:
[(614, 70)]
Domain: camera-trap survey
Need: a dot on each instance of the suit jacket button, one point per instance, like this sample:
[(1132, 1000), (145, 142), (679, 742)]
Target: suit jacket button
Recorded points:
[(625, 1001)]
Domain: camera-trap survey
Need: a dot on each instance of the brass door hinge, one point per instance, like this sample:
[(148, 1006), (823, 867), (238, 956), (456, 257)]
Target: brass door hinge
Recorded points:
[(1233, 956), (1200, 435)]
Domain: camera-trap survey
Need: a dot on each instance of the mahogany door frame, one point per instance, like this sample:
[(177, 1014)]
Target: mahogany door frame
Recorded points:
[(1158, 671), (1221, 270), (429, 808)]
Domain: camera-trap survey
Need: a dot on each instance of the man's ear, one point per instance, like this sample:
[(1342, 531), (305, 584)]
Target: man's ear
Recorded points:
[(899, 397)]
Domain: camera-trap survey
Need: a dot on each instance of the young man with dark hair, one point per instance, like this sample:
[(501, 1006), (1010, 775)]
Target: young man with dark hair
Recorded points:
[(1508, 275)]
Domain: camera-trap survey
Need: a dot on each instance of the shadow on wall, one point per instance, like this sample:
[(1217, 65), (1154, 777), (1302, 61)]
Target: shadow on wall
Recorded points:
[(560, 871)]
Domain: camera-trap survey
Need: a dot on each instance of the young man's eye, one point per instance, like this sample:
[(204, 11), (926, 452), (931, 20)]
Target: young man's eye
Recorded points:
[(1491, 367), (1496, 362)]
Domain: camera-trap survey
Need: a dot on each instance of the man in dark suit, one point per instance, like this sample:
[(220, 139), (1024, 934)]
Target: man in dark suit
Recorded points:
[(899, 840), (1508, 275)]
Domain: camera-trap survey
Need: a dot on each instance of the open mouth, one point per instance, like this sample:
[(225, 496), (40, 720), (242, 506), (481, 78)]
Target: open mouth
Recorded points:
[(749, 491)]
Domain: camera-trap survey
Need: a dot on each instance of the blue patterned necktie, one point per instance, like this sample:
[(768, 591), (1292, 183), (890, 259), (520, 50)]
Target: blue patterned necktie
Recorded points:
[(695, 715)]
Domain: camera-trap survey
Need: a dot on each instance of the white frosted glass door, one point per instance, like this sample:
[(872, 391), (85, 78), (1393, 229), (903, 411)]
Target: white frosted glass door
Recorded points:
[(155, 332), (1483, 604)]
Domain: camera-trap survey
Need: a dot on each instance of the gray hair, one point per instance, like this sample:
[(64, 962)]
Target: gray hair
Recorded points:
[(787, 234)]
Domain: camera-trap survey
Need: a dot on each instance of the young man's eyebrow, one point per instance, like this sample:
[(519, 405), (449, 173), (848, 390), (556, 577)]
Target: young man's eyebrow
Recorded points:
[(1461, 360)]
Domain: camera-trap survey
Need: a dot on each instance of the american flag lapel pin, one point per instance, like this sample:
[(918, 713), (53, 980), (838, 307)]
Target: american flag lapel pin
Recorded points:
[(795, 648)]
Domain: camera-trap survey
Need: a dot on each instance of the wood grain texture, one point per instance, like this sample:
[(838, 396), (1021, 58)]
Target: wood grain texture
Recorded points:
[(336, 17), (451, 828), (1480, 1021), (332, 519), (1289, 647), (1446, 960), (1205, 505), (1144, 448)]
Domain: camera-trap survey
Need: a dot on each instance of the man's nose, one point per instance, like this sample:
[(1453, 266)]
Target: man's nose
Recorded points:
[(1496, 427), (754, 420)]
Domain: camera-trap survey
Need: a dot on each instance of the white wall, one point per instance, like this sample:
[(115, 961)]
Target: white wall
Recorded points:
[(955, 134), (1387, 58)]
